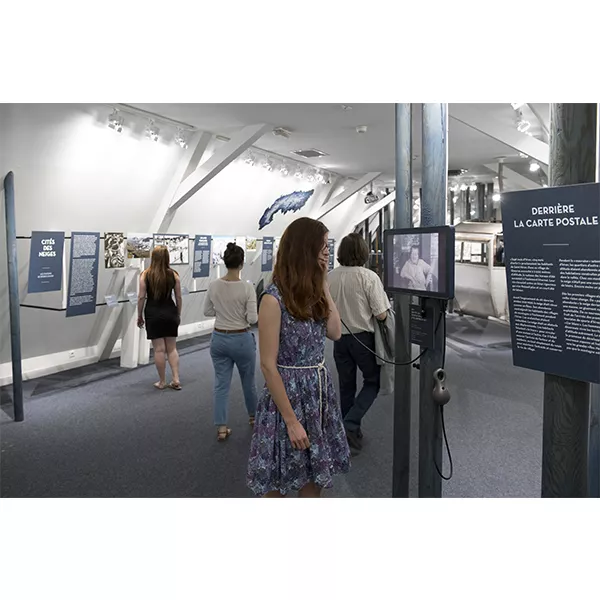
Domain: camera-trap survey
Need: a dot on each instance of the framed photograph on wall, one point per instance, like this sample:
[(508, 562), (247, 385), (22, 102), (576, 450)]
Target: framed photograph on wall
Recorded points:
[(139, 245), (178, 245), (114, 250)]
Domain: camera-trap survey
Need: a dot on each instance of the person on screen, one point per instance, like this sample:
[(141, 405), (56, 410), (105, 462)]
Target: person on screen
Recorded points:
[(416, 271)]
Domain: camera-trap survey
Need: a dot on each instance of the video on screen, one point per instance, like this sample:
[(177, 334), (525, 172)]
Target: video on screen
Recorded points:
[(417, 263)]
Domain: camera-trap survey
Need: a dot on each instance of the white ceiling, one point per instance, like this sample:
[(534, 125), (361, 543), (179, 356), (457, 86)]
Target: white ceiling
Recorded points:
[(329, 128)]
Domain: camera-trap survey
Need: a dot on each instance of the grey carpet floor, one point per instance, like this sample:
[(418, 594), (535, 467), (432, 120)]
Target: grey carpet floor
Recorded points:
[(102, 431)]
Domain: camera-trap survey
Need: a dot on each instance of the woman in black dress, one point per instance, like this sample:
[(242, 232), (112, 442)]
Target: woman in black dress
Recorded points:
[(162, 314)]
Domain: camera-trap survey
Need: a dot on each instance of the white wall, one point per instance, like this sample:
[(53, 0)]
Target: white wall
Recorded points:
[(73, 173)]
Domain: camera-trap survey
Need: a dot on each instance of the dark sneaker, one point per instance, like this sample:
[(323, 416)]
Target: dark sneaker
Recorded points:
[(354, 441), (359, 434)]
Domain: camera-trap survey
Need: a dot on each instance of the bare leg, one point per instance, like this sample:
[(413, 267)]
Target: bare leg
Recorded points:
[(173, 356), (275, 494), (310, 490), (160, 361)]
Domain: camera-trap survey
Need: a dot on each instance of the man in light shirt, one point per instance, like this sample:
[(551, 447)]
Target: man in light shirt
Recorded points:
[(359, 296), (417, 271)]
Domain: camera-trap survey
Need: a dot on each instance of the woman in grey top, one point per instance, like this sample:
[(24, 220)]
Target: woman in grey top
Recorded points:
[(233, 303)]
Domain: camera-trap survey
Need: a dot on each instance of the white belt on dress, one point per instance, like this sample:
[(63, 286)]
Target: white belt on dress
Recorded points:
[(322, 371)]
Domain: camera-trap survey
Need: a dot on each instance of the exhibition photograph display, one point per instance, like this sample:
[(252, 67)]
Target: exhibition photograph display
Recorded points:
[(178, 246), (114, 250), (139, 245)]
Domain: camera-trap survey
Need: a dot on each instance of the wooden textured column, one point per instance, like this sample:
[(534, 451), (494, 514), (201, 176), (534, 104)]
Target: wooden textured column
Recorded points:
[(566, 401)]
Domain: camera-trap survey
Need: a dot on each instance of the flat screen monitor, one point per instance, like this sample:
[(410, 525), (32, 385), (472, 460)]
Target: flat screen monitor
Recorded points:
[(420, 261)]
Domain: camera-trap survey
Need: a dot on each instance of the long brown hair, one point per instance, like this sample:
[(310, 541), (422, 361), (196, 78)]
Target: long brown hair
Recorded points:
[(298, 274), (159, 275)]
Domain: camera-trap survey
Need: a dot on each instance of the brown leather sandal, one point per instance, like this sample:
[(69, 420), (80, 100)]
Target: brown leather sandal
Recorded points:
[(223, 434)]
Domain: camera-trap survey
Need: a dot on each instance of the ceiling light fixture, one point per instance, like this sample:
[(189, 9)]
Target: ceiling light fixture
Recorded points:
[(463, 187), (115, 121), (181, 139), (250, 159), (533, 167), (496, 197), (152, 131), (473, 187), (283, 170), (267, 164), (517, 105), (298, 173)]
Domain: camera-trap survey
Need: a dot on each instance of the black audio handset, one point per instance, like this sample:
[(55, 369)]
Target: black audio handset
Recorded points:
[(441, 396)]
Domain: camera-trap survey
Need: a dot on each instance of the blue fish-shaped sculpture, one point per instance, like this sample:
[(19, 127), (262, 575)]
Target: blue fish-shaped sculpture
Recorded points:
[(292, 202)]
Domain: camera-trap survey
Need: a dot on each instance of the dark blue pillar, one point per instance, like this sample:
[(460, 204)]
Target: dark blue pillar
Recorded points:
[(13, 295)]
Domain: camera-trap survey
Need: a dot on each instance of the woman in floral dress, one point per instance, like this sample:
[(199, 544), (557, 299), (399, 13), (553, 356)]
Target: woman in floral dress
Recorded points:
[(299, 442)]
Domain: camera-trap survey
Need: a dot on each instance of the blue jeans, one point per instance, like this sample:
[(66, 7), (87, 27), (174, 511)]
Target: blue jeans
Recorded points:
[(227, 349)]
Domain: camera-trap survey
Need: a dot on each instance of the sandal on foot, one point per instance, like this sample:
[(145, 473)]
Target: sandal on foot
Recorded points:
[(251, 421), (160, 386), (175, 386), (223, 434)]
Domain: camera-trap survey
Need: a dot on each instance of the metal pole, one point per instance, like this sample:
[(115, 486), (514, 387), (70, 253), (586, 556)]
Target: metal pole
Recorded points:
[(566, 401), (490, 202), (433, 213), (13, 295), (402, 374), (481, 201)]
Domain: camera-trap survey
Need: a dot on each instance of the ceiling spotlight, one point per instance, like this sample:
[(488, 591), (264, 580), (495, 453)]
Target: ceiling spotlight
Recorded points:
[(454, 199), (283, 170), (250, 159), (523, 125), (496, 197), (115, 121), (533, 167), (309, 175), (473, 187), (517, 105), (523, 155), (267, 164), (463, 187), (454, 188), (298, 173), (180, 139), (320, 178), (152, 131)]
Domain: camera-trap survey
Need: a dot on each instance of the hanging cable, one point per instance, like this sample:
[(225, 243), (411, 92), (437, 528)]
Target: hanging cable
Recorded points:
[(391, 362), (444, 477)]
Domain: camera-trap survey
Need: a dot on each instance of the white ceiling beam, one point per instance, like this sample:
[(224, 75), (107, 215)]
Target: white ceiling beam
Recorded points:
[(188, 163), (521, 142), (540, 119), (332, 188), (352, 189), (374, 209), (516, 178), (236, 146)]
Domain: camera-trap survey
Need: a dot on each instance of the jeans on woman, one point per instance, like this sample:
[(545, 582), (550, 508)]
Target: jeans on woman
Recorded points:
[(227, 349)]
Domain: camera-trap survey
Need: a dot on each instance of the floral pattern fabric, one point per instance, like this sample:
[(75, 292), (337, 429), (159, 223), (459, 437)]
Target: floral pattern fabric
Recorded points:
[(274, 464)]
